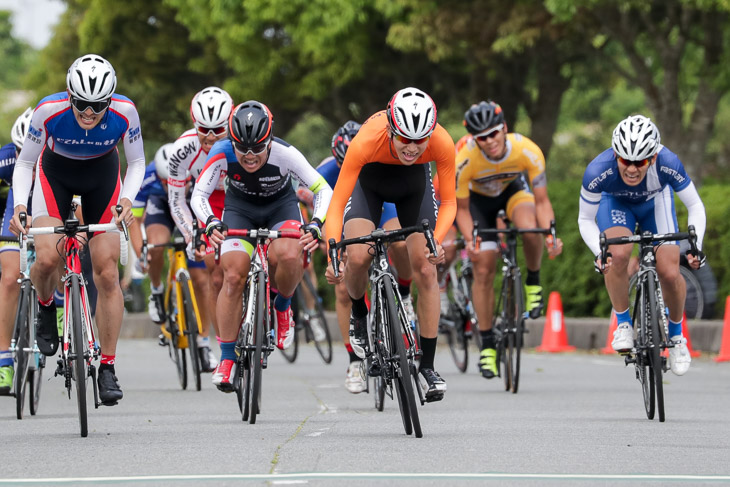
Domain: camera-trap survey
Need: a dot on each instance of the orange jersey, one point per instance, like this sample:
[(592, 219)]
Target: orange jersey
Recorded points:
[(372, 144)]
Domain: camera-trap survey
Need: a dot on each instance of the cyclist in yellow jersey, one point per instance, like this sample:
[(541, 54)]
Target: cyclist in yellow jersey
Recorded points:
[(490, 171)]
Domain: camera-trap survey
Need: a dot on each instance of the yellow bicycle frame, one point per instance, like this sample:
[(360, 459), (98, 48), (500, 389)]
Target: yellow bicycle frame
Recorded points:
[(178, 261)]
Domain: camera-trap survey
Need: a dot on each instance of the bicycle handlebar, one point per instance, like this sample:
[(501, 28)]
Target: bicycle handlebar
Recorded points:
[(258, 234), (647, 237), (380, 235)]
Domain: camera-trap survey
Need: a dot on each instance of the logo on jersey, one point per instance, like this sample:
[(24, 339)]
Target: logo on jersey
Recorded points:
[(180, 154), (673, 173), (594, 184), (134, 134), (618, 217)]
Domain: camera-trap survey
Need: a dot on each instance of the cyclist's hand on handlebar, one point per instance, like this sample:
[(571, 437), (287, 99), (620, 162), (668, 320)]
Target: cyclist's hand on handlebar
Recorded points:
[(473, 247), (554, 249), (439, 251), (603, 269), (126, 215), (216, 231), (696, 261), (330, 273), (311, 235), (15, 225)]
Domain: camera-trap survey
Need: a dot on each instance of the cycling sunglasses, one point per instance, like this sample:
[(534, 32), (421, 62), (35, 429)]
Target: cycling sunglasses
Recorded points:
[(406, 140), (96, 106), (641, 163), (255, 150), (484, 136), (206, 131)]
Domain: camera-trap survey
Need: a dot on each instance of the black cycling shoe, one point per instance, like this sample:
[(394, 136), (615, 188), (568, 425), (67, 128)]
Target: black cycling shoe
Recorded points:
[(432, 385), (109, 391), (359, 336), (46, 334)]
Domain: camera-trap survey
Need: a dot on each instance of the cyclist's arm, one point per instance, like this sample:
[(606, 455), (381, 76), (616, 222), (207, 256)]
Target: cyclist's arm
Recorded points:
[(134, 152), (464, 221), (343, 190), (587, 224), (32, 147), (445, 155), (205, 185), (695, 211), (311, 179), (177, 185), (543, 207)]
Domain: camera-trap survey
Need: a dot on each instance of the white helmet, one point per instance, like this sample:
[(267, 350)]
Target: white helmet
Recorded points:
[(20, 128), (211, 107), (162, 158), (412, 113), (636, 138), (91, 78)]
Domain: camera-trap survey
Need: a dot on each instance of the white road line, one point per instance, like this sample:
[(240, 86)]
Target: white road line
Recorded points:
[(290, 477)]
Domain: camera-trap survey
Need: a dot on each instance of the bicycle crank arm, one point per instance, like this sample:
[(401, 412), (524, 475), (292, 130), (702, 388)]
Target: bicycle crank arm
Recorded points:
[(92, 374)]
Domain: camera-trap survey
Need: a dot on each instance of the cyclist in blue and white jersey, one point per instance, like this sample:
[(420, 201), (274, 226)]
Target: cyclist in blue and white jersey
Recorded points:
[(258, 169), (209, 111), (633, 183), (9, 262), (330, 168), (74, 135)]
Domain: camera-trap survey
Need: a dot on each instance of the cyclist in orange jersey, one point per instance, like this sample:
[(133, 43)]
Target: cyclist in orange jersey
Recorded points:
[(389, 160)]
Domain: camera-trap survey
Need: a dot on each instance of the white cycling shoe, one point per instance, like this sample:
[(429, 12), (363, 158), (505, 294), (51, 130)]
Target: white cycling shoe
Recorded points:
[(623, 338), (679, 357)]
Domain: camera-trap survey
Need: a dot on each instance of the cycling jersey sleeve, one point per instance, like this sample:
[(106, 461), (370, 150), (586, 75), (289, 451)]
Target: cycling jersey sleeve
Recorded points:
[(176, 182), (588, 227), (463, 173), (314, 181), (444, 153), (351, 167), (206, 184), (695, 211), (134, 152), (32, 147)]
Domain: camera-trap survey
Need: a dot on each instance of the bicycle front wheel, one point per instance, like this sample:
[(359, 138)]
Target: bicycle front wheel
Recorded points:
[(191, 325), (319, 332), (262, 315), (79, 353), (23, 342), (655, 357), (643, 343), (37, 359), (517, 332)]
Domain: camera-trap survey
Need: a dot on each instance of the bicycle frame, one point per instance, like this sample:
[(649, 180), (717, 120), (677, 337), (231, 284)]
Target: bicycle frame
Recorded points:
[(179, 266)]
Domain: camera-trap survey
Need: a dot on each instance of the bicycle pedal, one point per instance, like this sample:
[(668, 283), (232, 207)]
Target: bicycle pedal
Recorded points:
[(434, 396), (59, 368)]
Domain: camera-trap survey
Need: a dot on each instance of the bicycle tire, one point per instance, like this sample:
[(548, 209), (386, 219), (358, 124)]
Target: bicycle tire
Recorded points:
[(176, 353), (79, 346), (323, 346), (191, 325), (500, 325), (467, 283), (35, 375), (259, 326), (519, 331), (454, 329), (642, 364), (694, 301), (22, 337), (379, 387), (297, 308), (403, 376), (656, 360)]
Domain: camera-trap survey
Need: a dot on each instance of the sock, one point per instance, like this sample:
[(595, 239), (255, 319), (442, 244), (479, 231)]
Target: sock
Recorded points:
[(487, 337), (107, 359), (404, 287), (58, 298), (47, 303), (157, 290), (359, 308), (6, 358), (228, 350), (674, 328), (218, 339), (533, 278), (428, 346), (351, 353), (203, 341), (623, 317), (282, 303)]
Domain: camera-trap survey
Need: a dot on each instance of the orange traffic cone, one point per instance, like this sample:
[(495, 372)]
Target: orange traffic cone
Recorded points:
[(724, 355), (608, 349), (685, 332), (554, 336)]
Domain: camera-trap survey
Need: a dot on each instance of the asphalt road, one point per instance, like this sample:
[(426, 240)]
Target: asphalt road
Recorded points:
[(578, 420)]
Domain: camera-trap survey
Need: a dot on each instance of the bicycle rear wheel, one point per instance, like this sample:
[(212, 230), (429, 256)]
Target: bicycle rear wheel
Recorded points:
[(322, 339), (518, 331), (175, 330), (502, 323), (79, 353), (262, 316), (453, 327), (655, 352), (22, 349), (402, 376), (191, 325)]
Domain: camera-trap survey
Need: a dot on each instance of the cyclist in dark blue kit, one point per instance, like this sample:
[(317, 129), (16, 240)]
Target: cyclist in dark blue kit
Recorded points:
[(73, 136)]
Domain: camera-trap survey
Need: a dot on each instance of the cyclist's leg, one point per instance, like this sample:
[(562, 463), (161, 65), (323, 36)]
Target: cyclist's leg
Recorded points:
[(215, 283), (157, 233), (521, 210)]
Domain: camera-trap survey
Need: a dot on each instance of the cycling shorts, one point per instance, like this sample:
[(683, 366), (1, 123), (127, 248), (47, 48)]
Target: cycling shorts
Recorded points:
[(656, 215), (484, 209), (240, 214), (59, 178), (7, 216), (408, 188), (157, 212)]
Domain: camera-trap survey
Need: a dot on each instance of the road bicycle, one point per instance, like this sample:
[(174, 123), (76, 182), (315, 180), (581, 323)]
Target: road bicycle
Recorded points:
[(310, 320), (29, 362), (183, 324), (257, 334), (649, 315), (78, 343), (459, 324), (509, 317), (393, 351)]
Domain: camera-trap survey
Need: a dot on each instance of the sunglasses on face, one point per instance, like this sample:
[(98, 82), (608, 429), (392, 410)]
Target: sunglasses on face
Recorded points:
[(484, 136), (640, 163), (96, 106), (206, 131), (406, 140), (255, 150)]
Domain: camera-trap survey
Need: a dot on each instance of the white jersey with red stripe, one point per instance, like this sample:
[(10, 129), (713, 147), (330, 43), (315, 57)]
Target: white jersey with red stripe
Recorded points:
[(187, 160), (54, 127)]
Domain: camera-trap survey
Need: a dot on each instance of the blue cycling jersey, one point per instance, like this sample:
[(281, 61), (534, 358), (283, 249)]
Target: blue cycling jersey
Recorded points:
[(151, 186), (7, 163), (329, 170)]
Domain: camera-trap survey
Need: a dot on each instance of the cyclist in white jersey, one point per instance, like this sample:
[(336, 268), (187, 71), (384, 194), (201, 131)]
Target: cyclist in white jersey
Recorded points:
[(209, 110), (74, 135), (258, 169)]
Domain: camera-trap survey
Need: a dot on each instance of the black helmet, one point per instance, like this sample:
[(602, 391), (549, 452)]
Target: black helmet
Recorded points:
[(250, 124), (483, 116), (342, 138)]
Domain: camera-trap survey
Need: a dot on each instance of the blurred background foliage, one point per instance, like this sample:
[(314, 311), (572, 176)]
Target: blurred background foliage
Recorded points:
[(565, 71)]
